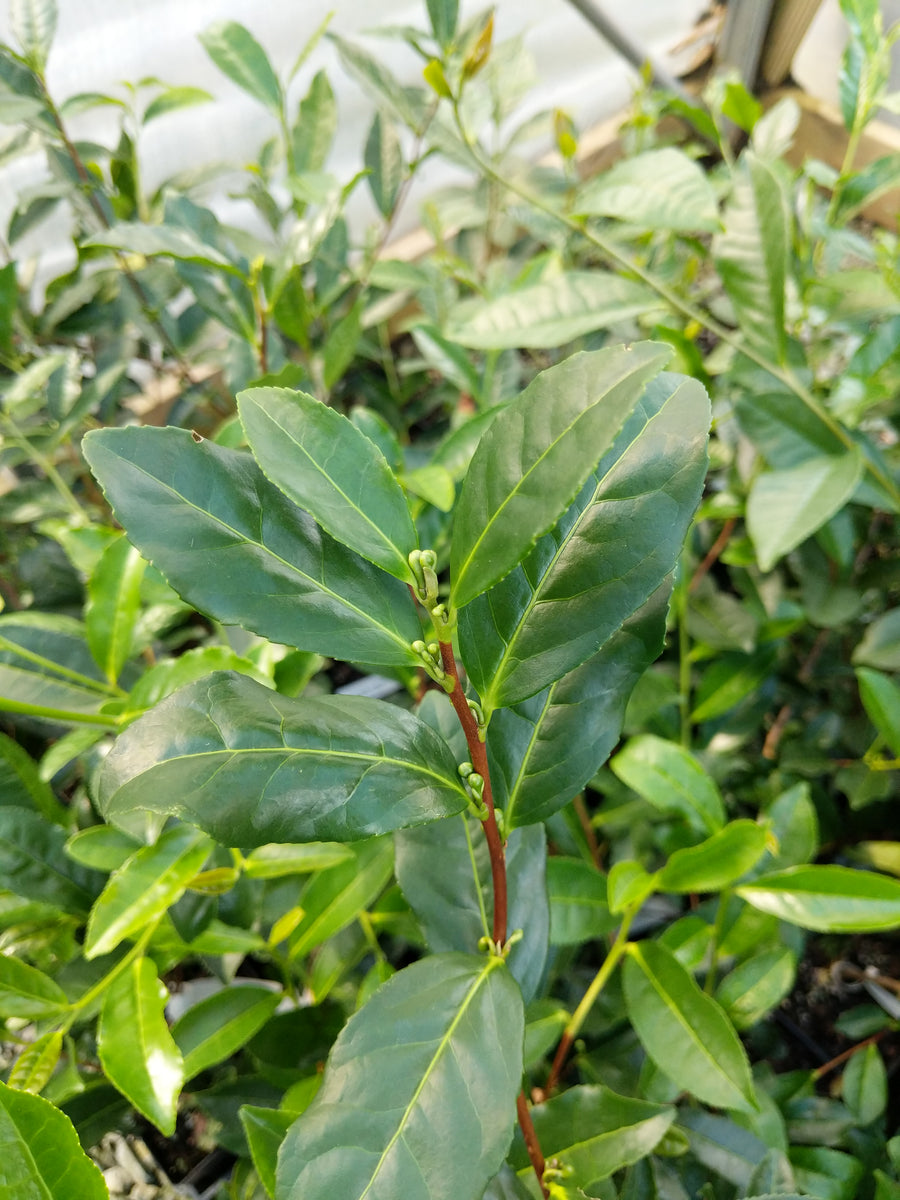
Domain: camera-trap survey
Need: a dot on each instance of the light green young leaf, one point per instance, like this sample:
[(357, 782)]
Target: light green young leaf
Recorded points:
[(784, 508), (717, 862), (33, 25), (27, 992), (322, 462), (136, 1049), (603, 559), (334, 897), (276, 860), (264, 1129), (594, 1133), (341, 344), (659, 189), (249, 766), (415, 1108), (102, 847), (551, 313), (315, 127), (34, 1066), (238, 54), (232, 544), (827, 899), (670, 778), (173, 99), (384, 162), (535, 456), (684, 1031), (216, 1027), (113, 607), (146, 884), (880, 646), (752, 253), (170, 241), (881, 699), (756, 986), (865, 1085), (409, 105), (42, 1157)]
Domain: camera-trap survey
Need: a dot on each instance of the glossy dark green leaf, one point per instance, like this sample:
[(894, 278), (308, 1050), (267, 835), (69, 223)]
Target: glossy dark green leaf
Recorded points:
[(249, 766), (828, 899), (238, 54), (42, 1159), (786, 507), (419, 1092), (146, 884), (717, 862), (545, 749), (444, 872), (549, 313), (659, 189), (232, 544), (579, 909), (113, 607), (384, 163), (334, 897), (265, 1129), (684, 1031), (27, 992), (214, 1028), (752, 253), (881, 699), (607, 555), (34, 864), (536, 455), (21, 785), (136, 1049), (322, 462), (756, 986), (594, 1132), (670, 778)]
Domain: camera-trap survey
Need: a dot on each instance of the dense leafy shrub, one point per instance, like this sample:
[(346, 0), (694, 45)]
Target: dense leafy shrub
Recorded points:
[(518, 916)]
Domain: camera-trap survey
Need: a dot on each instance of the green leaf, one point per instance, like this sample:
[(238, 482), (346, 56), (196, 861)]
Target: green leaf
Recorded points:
[(535, 456), (443, 15), (315, 127), (102, 847), (865, 1085), (238, 54), (659, 189), (594, 1133), (265, 1129), (545, 749), (249, 766), (27, 992), (684, 1031), (825, 1173), (136, 1049), (141, 890), (565, 600), (384, 162), (341, 344), (880, 646), (670, 778), (33, 862), (170, 241), (628, 884), (579, 910), (42, 1158), (21, 785), (231, 543), (784, 508), (322, 462), (551, 313), (215, 1028), (455, 906), (756, 986), (728, 680), (34, 1066), (752, 254), (279, 859), (173, 99), (33, 25), (335, 897), (113, 606), (408, 105), (167, 675), (717, 862), (414, 1107), (881, 699), (866, 185), (432, 483), (827, 899)]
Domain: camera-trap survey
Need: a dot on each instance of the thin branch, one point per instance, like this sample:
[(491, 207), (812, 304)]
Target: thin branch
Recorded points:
[(535, 1153), (712, 555)]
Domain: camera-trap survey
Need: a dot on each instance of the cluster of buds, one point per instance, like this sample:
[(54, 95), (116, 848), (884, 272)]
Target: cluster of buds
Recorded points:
[(423, 564), (475, 784)]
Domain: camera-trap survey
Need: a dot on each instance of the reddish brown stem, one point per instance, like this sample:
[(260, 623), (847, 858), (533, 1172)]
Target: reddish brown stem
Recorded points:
[(842, 1058), (531, 1142), (562, 1053), (479, 759), (713, 553)]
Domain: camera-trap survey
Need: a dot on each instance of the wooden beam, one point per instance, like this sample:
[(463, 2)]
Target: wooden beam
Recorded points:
[(788, 24)]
